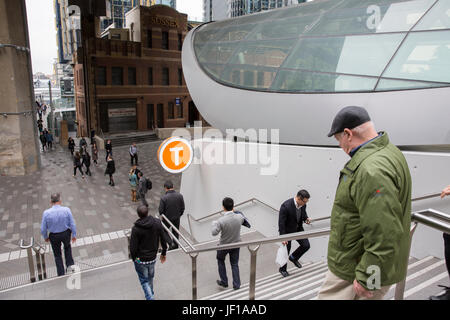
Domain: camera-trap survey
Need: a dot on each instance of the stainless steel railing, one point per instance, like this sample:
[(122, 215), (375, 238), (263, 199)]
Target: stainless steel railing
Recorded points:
[(39, 253), (432, 218)]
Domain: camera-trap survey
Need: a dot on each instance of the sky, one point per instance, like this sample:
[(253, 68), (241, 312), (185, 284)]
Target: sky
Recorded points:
[(42, 30)]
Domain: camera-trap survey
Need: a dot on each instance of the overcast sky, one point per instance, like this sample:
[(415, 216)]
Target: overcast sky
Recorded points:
[(41, 25)]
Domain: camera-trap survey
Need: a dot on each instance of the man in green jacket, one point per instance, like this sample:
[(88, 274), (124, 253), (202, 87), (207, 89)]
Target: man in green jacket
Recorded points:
[(371, 217)]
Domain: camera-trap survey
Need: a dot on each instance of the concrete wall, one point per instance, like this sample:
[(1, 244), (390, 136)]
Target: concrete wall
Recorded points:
[(19, 151)]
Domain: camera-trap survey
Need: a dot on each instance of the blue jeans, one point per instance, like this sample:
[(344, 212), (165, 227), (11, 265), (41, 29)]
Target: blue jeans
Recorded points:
[(234, 261), (145, 273)]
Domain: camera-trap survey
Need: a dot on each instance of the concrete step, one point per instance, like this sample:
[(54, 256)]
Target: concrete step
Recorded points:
[(129, 139), (304, 284)]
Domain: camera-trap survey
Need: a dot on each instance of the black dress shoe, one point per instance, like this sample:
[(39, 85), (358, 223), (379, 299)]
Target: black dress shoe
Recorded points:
[(295, 262), (236, 288), (284, 273), (220, 283), (444, 296)]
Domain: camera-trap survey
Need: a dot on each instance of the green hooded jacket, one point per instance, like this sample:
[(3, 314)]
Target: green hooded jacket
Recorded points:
[(371, 216)]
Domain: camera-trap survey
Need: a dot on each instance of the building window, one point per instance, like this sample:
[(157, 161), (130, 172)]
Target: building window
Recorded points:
[(149, 39), (131, 76), (117, 76), (150, 76), (165, 76), (180, 42), (165, 40), (180, 110), (180, 77), (171, 114), (100, 78)]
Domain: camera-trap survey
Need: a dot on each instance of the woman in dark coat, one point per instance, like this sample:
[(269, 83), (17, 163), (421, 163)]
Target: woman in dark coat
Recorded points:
[(77, 164), (71, 145), (87, 162), (110, 169), (108, 149)]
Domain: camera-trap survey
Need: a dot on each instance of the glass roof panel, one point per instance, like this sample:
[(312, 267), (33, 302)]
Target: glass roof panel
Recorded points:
[(249, 77), (301, 81), (437, 18), (355, 17), (423, 56), (365, 55), (389, 84), (262, 53)]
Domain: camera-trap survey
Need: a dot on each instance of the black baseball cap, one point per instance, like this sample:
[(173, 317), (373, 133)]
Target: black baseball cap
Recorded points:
[(349, 117)]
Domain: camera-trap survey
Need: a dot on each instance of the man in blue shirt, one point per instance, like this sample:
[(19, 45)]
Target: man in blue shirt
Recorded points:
[(59, 223)]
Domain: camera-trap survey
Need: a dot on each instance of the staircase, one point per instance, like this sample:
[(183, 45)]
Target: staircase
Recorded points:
[(128, 138), (303, 284)]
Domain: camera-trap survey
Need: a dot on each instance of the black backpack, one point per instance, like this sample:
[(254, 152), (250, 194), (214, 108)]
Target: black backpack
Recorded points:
[(148, 184)]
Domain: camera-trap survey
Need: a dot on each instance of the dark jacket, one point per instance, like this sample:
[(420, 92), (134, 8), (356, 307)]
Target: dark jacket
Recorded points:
[(146, 235), (172, 205), (76, 162), (42, 138), (110, 167), (108, 147), (71, 144), (86, 160), (83, 142), (287, 220)]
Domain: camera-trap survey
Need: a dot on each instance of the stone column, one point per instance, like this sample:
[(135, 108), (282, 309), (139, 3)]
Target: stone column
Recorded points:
[(19, 148)]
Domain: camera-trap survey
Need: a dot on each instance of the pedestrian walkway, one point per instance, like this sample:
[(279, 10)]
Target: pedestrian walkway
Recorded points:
[(101, 212)]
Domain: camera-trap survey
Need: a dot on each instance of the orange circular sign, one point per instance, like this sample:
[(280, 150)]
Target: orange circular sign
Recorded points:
[(175, 154)]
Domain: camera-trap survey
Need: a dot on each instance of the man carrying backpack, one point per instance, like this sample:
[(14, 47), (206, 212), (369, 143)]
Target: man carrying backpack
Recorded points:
[(144, 185)]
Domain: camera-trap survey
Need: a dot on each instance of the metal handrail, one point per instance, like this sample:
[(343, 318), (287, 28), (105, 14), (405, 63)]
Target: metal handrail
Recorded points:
[(429, 196), (438, 220), (40, 259)]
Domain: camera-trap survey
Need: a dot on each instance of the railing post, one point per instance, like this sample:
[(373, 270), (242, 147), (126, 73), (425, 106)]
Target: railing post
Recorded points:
[(194, 275), (43, 264), (30, 259), (400, 287), (252, 283), (38, 262)]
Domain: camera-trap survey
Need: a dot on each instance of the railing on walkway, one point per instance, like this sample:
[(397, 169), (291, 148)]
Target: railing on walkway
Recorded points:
[(39, 254), (430, 217)]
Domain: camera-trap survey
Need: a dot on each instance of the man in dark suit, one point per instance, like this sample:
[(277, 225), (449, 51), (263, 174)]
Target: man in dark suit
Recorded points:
[(291, 218), (172, 206)]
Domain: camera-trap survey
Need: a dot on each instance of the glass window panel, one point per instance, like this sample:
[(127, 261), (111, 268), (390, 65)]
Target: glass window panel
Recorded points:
[(248, 76), (389, 84), (262, 53), (437, 18), (301, 81), (356, 17), (365, 55), (423, 56), (283, 28), (215, 53)]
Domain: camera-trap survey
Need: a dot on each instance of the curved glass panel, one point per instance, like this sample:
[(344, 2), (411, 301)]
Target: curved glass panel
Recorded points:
[(303, 81), (437, 18), (389, 84), (355, 16), (267, 53), (365, 55), (331, 46), (423, 56)]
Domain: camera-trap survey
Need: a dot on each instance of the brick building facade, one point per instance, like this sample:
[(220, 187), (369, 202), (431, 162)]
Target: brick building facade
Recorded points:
[(136, 85)]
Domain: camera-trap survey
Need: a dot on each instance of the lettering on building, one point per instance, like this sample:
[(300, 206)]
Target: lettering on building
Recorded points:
[(172, 23)]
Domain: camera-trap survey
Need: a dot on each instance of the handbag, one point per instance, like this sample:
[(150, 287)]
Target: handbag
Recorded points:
[(282, 255)]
